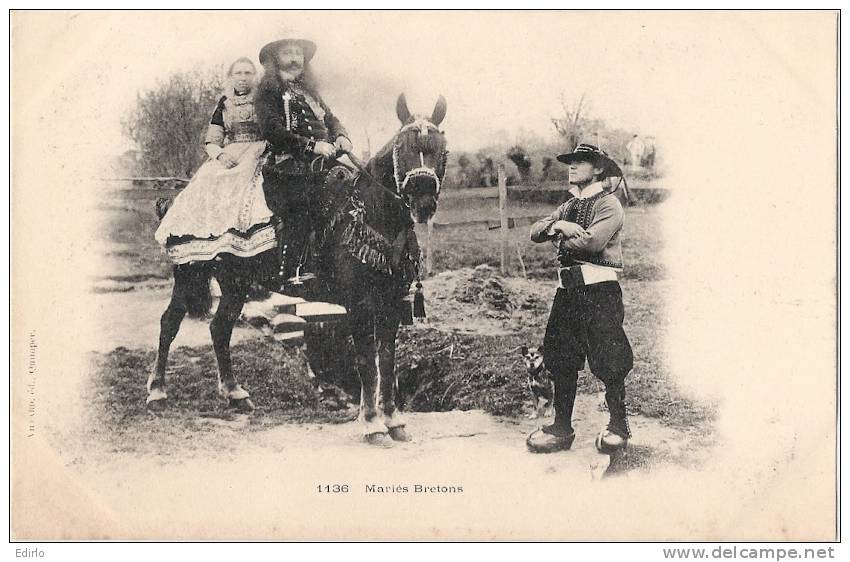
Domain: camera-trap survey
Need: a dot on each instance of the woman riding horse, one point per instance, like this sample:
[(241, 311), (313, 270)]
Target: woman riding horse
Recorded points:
[(223, 209), (222, 212)]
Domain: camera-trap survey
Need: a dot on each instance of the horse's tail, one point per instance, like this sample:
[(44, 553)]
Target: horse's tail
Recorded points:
[(195, 280)]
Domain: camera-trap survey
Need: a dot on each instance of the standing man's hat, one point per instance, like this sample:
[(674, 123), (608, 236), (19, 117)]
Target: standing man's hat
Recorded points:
[(590, 153), (268, 52)]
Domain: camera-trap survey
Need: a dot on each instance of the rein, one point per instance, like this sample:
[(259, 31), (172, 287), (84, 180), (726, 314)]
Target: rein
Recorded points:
[(362, 169)]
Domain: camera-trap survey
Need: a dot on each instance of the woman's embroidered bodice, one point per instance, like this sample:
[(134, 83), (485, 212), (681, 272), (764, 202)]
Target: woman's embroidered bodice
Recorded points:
[(234, 120)]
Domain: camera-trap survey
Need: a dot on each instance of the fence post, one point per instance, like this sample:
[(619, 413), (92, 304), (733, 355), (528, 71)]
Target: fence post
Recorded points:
[(503, 219)]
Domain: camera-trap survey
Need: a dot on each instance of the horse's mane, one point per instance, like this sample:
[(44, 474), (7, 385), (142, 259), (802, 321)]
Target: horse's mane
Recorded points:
[(381, 165)]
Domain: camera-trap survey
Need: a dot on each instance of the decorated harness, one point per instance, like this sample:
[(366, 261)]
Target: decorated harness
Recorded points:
[(399, 257)]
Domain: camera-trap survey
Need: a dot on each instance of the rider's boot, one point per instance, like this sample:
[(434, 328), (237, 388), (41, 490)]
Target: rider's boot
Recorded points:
[(293, 236)]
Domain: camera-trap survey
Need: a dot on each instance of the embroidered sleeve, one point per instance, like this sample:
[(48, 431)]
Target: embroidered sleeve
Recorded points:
[(213, 149), (214, 139), (540, 230), (607, 221), (215, 135), (218, 114)]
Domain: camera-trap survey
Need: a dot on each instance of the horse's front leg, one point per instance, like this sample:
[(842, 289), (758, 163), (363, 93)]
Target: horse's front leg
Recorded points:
[(386, 332), (363, 334), (233, 291)]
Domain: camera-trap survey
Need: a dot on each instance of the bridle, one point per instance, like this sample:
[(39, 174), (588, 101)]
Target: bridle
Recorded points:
[(423, 126), (401, 182)]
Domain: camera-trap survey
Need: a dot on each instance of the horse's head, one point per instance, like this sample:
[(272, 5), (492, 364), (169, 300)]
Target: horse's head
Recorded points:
[(419, 159)]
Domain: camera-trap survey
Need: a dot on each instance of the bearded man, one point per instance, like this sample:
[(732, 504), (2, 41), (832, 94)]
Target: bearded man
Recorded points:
[(304, 137)]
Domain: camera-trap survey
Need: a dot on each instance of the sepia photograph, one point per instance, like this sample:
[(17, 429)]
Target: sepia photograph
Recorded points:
[(428, 275)]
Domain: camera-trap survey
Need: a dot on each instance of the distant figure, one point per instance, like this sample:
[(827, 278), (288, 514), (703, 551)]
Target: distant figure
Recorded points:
[(635, 148), (649, 154), (487, 170), (547, 167)]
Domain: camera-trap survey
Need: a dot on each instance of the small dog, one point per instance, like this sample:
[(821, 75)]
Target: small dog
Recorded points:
[(540, 382)]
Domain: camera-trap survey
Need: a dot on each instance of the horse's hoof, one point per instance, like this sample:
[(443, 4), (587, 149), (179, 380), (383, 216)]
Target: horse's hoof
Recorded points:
[(399, 434), (152, 383), (379, 440), (235, 393), (156, 399), (241, 405)]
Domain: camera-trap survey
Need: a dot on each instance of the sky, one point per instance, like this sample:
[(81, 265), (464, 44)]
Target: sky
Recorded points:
[(694, 80), (502, 73)]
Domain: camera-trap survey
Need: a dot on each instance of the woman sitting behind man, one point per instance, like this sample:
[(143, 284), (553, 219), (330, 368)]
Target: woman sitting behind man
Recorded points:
[(223, 208)]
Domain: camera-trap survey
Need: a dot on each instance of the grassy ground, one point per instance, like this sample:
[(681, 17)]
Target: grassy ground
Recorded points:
[(438, 370)]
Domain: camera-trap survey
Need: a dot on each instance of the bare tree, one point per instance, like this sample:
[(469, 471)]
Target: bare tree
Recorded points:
[(573, 124), (168, 122)]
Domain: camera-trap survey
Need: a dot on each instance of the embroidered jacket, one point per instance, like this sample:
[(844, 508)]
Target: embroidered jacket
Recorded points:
[(232, 121), (601, 215), (292, 119)]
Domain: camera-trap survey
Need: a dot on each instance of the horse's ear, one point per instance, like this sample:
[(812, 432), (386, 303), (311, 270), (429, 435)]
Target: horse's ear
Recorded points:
[(439, 111), (401, 109)]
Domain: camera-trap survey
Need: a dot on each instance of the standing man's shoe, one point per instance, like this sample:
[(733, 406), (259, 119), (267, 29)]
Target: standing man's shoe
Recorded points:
[(613, 438), (550, 439)]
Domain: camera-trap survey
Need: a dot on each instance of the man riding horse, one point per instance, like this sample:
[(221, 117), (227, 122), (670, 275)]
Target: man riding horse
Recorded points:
[(363, 225), (304, 136)]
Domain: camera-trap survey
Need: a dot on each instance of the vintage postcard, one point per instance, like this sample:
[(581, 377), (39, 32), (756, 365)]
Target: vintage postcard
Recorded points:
[(430, 275)]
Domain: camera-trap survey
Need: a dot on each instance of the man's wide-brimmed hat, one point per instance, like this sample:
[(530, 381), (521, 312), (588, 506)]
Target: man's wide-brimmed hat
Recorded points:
[(268, 52), (590, 153)]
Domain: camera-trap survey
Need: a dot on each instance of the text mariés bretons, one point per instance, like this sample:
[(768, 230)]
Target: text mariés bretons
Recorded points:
[(412, 489)]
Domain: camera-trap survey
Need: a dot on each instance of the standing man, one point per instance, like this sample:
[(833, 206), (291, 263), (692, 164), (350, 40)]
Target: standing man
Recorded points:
[(586, 321), (304, 136), (635, 148)]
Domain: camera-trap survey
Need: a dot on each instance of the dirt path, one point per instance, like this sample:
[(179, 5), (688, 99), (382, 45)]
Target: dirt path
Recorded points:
[(138, 323), (227, 479), (236, 484)]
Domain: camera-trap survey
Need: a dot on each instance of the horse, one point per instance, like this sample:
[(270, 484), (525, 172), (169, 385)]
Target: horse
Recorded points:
[(368, 256)]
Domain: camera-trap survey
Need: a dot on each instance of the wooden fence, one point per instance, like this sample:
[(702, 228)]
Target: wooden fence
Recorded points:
[(152, 188)]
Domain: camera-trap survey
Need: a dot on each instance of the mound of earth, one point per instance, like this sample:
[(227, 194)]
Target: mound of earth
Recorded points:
[(480, 301)]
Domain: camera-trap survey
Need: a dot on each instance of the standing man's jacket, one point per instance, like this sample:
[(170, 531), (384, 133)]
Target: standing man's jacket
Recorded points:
[(601, 215)]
